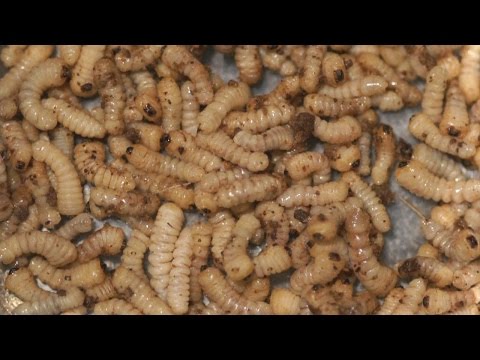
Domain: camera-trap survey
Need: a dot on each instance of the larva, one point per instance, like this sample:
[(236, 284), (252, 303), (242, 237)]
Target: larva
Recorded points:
[(54, 304), (364, 143), (430, 269), (222, 231), (201, 237), (190, 109), (312, 68), (276, 60), (143, 297), (110, 87), (369, 49), (221, 145), (249, 64), (137, 59), (134, 253), (17, 143), (385, 148), (64, 93), (11, 82), (32, 222), (89, 159), (299, 195), (375, 277), (368, 86), (276, 138), (146, 99), (21, 282), (344, 130), (82, 82), (321, 301), (257, 289), (432, 103), (393, 55), (438, 301), (427, 250), (144, 224), (451, 64), (69, 53), (388, 101), (69, 190), (80, 224), (469, 77), (146, 134), (420, 60), (63, 139), (274, 221), (455, 119), (213, 181), (168, 224), (115, 307), (182, 145), (8, 108), (180, 59), (323, 105), (297, 218), (171, 103), (333, 69), (101, 292), (354, 70), (343, 157), (412, 298), (109, 240), (391, 301), (299, 250), (467, 276), (219, 291), (440, 50), (467, 310), (274, 259), (472, 218), (447, 215), (11, 54), (82, 276), (21, 198), (284, 302), (30, 131), (286, 90), (232, 96)]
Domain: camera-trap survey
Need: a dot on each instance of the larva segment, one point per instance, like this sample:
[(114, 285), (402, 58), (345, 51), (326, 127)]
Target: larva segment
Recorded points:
[(323, 105), (312, 68), (455, 119), (8, 108), (69, 53), (134, 253), (333, 69), (451, 64), (21, 282), (432, 103), (275, 59), (54, 305), (63, 139), (201, 237), (80, 224), (146, 134), (300, 195), (438, 301), (430, 269), (277, 138), (469, 77), (138, 58), (17, 143), (213, 181), (438, 163), (274, 259), (257, 289), (146, 99), (115, 307), (11, 54), (391, 301), (385, 149), (341, 131), (109, 240), (284, 302), (343, 157), (171, 103), (367, 86), (412, 298), (249, 64), (82, 82), (101, 292), (190, 108), (222, 231), (467, 276)]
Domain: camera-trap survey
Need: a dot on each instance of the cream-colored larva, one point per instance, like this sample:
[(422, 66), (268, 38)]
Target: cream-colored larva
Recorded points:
[(89, 159), (142, 224), (333, 69), (467, 310), (286, 90), (115, 307), (284, 302), (219, 291), (451, 64), (321, 301), (430, 269), (69, 53), (341, 131), (299, 195), (11, 54), (422, 127), (54, 304), (369, 49), (275, 222), (343, 157), (83, 275), (130, 113), (100, 292), (299, 250), (171, 103), (222, 145), (82, 82), (21, 198), (469, 77), (182, 145), (137, 59), (276, 138), (11, 82), (249, 64), (32, 222), (467, 276), (63, 139), (134, 253), (232, 96), (64, 93), (276, 60), (146, 99), (388, 101), (30, 130), (21, 282), (69, 190), (364, 144), (429, 251), (180, 59), (324, 105), (438, 301), (257, 289), (109, 240), (392, 300), (440, 50), (354, 70), (147, 134), (142, 296), (312, 68), (412, 298), (213, 181), (297, 218), (17, 143), (420, 60), (222, 231), (8, 108), (80, 224), (393, 55), (436, 84), (368, 86), (190, 108), (168, 224), (202, 237), (385, 149), (455, 119), (472, 218), (274, 259)]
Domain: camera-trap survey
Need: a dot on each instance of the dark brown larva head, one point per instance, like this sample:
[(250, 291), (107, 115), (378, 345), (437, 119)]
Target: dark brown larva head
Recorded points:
[(133, 135), (13, 270), (426, 301), (129, 150), (452, 131), (402, 164), (472, 241), (66, 73), (149, 110), (165, 140), (409, 267), (20, 165), (301, 215), (339, 75), (405, 150), (86, 87)]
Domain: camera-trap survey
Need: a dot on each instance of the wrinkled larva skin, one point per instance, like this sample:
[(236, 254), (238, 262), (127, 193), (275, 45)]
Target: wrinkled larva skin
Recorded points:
[(249, 64), (341, 131), (367, 86), (451, 64), (430, 269), (333, 69), (101, 292), (146, 99), (469, 77), (17, 143), (63, 139), (202, 237), (190, 108), (392, 300), (171, 103), (82, 82), (54, 305), (312, 68), (69, 53), (276, 60), (137, 59), (300, 195), (274, 259), (222, 231), (438, 301), (343, 157), (108, 240), (134, 253), (388, 101), (323, 105), (467, 276), (432, 103), (115, 307), (146, 134), (304, 164), (277, 138), (385, 149), (284, 302), (8, 108), (21, 282), (412, 298), (11, 54), (455, 119)]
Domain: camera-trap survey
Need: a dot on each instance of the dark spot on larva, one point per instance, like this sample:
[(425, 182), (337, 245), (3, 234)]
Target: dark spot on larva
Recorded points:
[(232, 83), (301, 215), (405, 150), (318, 237), (149, 110), (339, 75), (409, 266), (66, 73), (356, 164), (453, 141), (68, 278), (402, 164), (129, 150), (206, 211), (310, 244), (334, 256), (472, 241), (61, 292), (452, 131), (316, 287), (165, 140), (181, 149), (133, 135), (292, 234), (86, 87), (387, 129), (20, 165), (350, 192), (348, 63), (426, 301), (13, 270)]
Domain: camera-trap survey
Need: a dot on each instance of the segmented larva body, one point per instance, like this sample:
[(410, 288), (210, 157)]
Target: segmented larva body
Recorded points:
[(69, 53), (143, 296), (109, 240), (438, 163), (430, 269), (222, 145), (375, 277), (80, 224), (171, 103), (17, 143), (462, 247), (277, 60), (438, 301), (391, 301), (8, 108), (82, 82), (115, 307), (76, 120), (190, 108), (180, 59), (137, 59), (178, 289), (467, 276), (222, 231), (249, 64), (323, 105), (300, 195), (284, 302), (447, 215), (134, 253), (254, 188), (202, 237), (31, 131), (146, 134), (219, 291), (343, 157), (274, 259), (472, 218), (257, 289), (419, 180), (32, 222), (451, 64), (54, 304), (11, 82), (312, 68), (455, 119), (11, 54), (367, 86), (232, 96), (146, 99), (385, 151), (341, 131), (6, 206), (393, 55), (432, 103), (277, 138), (69, 189), (388, 101), (63, 139), (64, 93), (469, 77), (333, 69), (412, 298), (213, 181), (364, 143), (275, 222), (81, 276), (299, 250), (90, 162), (100, 292), (110, 87), (147, 160), (441, 50), (182, 145), (467, 310), (21, 282), (168, 224), (285, 91)]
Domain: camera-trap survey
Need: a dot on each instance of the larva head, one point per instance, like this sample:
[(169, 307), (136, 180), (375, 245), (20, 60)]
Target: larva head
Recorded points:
[(357, 221), (404, 150), (105, 73), (409, 268), (177, 143), (322, 228), (302, 126)]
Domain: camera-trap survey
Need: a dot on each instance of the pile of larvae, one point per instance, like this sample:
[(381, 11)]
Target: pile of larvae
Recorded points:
[(291, 189)]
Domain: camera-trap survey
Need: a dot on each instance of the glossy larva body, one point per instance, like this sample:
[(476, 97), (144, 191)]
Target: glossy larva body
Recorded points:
[(80, 224), (69, 53), (213, 181), (412, 298), (249, 64), (21, 282), (438, 301), (321, 194), (138, 58), (312, 68), (323, 105), (63, 139), (82, 82), (201, 237), (101, 292), (11, 54), (333, 69), (276, 60), (455, 119), (17, 143), (54, 305), (146, 99), (368, 86), (222, 231), (146, 134), (171, 103), (190, 109), (343, 157), (341, 131), (115, 307), (8, 108), (392, 300), (385, 149), (438, 163), (134, 253), (274, 259), (284, 302), (469, 77), (108, 240), (430, 269), (276, 138)]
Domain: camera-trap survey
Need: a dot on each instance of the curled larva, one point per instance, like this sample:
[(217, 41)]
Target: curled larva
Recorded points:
[(171, 103), (146, 99), (375, 277), (142, 296), (455, 119), (222, 231), (89, 159), (249, 64), (333, 69), (134, 253), (80, 224), (388, 101), (274, 58), (180, 59), (232, 96), (299, 250), (11, 54), (21, 282), (469, 77), (274, 259), (8, 108), (11, 82), (302, 165), (55, 304), (430, 269), (277, 138), (341, 131), (321, 194), (213, 181), (385, 149), (438, 163), (201, 237), (343, 157), (69, 189), (115, 307), (82, 276), (274, 221), (222, 145), (190, 108), (17, 143), (312, 68), (323, 105), (110, 87), (451, 64), (467, 276), (69, 53), (367, 86), (146, 134), (412, 298), (438, 301), (100, 292), (392, 300), (109, 240), (182, 145), (137, 59), (82, 82), (219, 291), (284, 302), (63, 139), (286, 90), (432, 103)]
